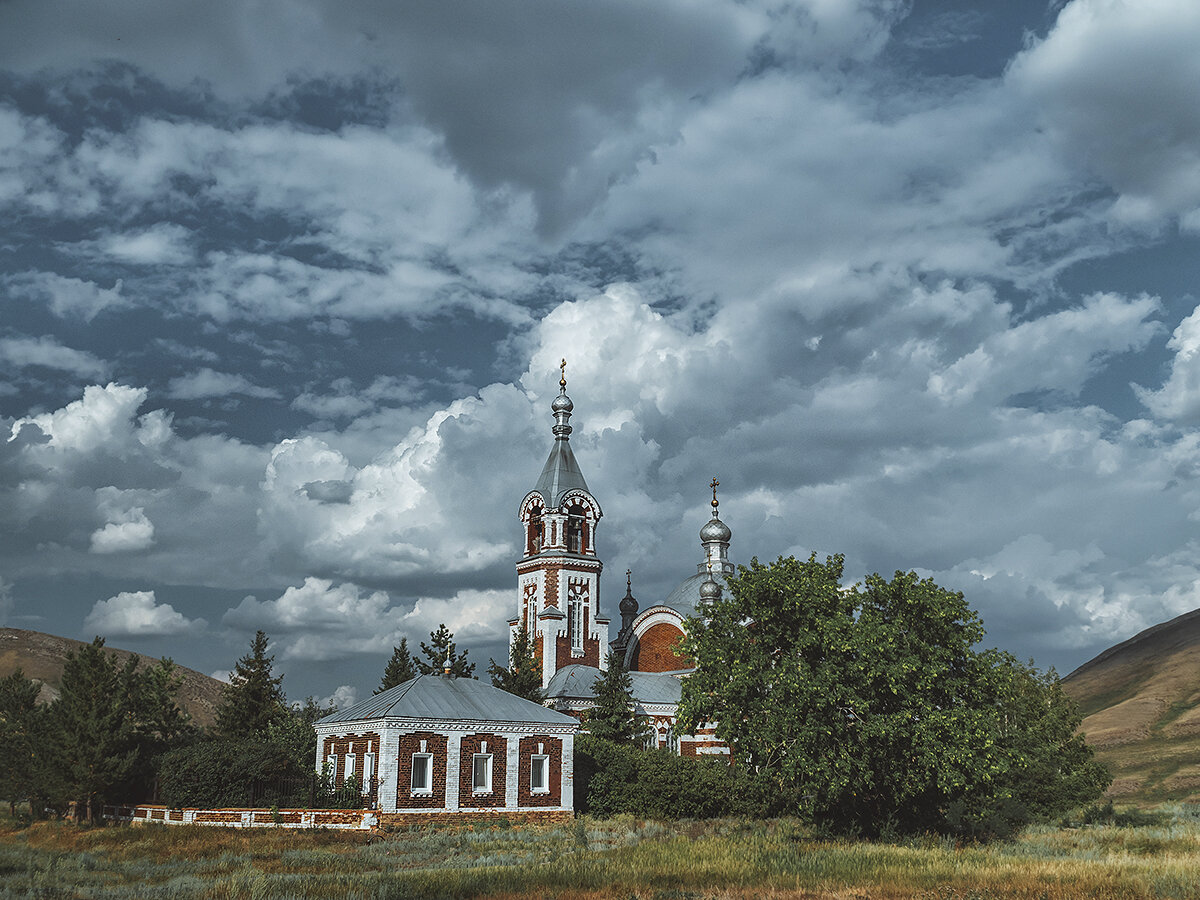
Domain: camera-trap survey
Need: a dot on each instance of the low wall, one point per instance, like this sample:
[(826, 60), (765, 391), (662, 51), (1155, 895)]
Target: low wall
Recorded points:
[(409, 819), (357, 819)]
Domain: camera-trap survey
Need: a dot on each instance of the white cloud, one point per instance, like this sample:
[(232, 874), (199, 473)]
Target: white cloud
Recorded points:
[(45, 351), (343, 697), (161, 244), (1179, 397), (6, 601), (138, 614), (91, 422), (66, 297), (130, 532), (206, 382), (1115, 81)]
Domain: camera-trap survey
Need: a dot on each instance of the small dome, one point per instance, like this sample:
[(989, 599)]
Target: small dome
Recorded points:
[(715, 530), (562, 403), (629, 605), (709, 589)]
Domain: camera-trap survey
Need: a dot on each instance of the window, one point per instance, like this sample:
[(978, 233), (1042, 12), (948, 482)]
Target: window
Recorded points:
[(348, 772), (539, 774), (368, 770), (481, 773), (422, 773)]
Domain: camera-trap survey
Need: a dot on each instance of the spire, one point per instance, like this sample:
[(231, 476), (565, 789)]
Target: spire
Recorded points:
[(714, 537), (561, 472)]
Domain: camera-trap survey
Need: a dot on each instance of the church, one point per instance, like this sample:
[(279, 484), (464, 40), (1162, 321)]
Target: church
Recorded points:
[(558, 599)]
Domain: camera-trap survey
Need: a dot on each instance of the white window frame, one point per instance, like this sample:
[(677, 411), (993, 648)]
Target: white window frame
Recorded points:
[(368, 771), (539, 762), (427, 788), (486, 787), (350, 760)]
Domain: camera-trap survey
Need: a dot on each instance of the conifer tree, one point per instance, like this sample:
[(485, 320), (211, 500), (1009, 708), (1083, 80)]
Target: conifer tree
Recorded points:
[(254, 696), (440, 652), (523, 676), (18, 739), (613, 718), (400, 668)]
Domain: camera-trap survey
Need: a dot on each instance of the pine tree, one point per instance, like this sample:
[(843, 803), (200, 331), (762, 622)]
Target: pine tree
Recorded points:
[(400, 668), (95, 737), (18, 741), (442, 652), (523, 676), (613, 718), (254, 696)]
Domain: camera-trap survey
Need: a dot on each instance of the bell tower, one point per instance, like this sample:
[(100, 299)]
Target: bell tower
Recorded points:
[(558, 575)]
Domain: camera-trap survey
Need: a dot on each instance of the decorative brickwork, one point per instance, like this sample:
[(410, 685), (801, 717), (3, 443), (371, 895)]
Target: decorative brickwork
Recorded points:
[(591, 647), (526, 749), (497, 746), (410, 743), (476, 817), (359, 745), (655, 650)]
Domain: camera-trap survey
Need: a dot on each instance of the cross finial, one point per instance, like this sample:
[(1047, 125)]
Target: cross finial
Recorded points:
[(713, 484), (562, 381), (629, 579)]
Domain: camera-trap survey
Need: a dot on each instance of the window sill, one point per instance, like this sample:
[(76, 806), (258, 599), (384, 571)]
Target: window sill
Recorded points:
[(421, 794)]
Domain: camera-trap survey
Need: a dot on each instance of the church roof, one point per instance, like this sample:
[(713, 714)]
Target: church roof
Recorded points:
[(574, 682), (560, 474), (687, 593), (441, 697)]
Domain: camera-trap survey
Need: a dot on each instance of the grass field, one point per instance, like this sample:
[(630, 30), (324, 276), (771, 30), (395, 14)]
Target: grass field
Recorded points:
[(617, 858)]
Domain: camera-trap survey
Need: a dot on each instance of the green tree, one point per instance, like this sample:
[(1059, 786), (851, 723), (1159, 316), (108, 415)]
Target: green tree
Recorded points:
[(614, 717), (254, 696), (18, 739), (95, 740), (400, 668), (869, 709), (523, 676), (441, 651), (294, 731)]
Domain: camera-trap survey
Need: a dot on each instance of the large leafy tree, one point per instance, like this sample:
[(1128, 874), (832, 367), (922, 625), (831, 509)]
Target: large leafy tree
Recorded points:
[(294, 732), (523, 676), (400, 668), (440, 652), (254, 696), (614, 716), (869, 708)]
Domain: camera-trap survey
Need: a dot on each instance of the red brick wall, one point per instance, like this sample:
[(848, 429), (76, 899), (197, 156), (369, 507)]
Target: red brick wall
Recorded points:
[(472, 744), (339, 746), (655, 651), (591, 647), (476, 817), (409, 744), (526, 749)]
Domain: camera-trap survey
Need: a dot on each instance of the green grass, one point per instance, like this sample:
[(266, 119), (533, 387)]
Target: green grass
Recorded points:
[(620, 859)]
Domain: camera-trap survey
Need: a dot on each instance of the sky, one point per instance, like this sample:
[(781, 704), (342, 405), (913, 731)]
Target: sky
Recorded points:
[(284, 288)]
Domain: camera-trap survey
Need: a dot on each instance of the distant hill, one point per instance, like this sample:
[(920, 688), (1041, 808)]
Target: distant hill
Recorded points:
[(41, 656), (1141, 705)]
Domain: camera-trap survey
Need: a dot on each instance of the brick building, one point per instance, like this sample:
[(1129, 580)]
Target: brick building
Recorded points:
[(440, 748), (558, 598)]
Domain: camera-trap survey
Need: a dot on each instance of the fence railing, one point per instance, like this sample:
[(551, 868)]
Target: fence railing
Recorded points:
[(315, 792)]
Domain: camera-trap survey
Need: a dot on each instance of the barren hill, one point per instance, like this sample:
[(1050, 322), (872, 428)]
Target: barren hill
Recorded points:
[(1141, 706), (41, 656)]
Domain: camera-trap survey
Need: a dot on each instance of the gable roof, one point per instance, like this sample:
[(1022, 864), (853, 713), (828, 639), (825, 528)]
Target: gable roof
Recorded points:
[(438, 697), (576, 682)]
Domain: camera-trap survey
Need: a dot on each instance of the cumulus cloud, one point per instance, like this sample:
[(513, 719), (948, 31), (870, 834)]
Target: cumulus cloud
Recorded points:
[(138, 614), (343, 697), (1179, 397), (129, 533), (1115, 82)]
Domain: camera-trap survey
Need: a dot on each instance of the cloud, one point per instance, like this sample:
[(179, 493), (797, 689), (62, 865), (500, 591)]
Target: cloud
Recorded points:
[(343, 697), (1115, 83), (131, 532), (161, 244), (6, 601), (138, 614), (92, 421), (47, 352), (64, 296), (205, 383), (1179, 398)]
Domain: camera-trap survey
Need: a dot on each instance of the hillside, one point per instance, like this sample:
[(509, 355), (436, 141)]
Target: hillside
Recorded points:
[(40, 656), (1141, 706)]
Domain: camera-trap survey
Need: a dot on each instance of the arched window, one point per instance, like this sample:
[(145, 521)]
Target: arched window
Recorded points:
[(576, 530), (534, 540)]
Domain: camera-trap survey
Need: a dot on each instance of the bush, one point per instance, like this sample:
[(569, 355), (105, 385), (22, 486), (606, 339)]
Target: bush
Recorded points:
[(612, 779), (220, 773)]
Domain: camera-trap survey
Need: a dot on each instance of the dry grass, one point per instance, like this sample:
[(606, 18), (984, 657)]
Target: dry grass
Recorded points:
[(598, 860)]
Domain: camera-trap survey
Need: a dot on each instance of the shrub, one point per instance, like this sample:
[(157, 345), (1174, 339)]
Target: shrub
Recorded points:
[(220, 773)]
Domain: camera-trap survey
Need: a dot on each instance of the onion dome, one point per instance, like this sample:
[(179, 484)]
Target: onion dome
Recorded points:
[(628, 605), (710, 590), (715, 529), (561, 472)]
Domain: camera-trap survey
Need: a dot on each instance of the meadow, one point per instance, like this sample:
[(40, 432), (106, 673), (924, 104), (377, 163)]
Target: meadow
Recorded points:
[(1156, 856)]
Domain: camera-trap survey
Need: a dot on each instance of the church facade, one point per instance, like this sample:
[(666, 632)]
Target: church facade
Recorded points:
[(558, 599)]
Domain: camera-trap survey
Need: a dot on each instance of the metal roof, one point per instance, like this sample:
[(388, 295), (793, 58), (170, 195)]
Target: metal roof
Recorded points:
[(687, 593), (575, 682), (440, 698), (560, 474)]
